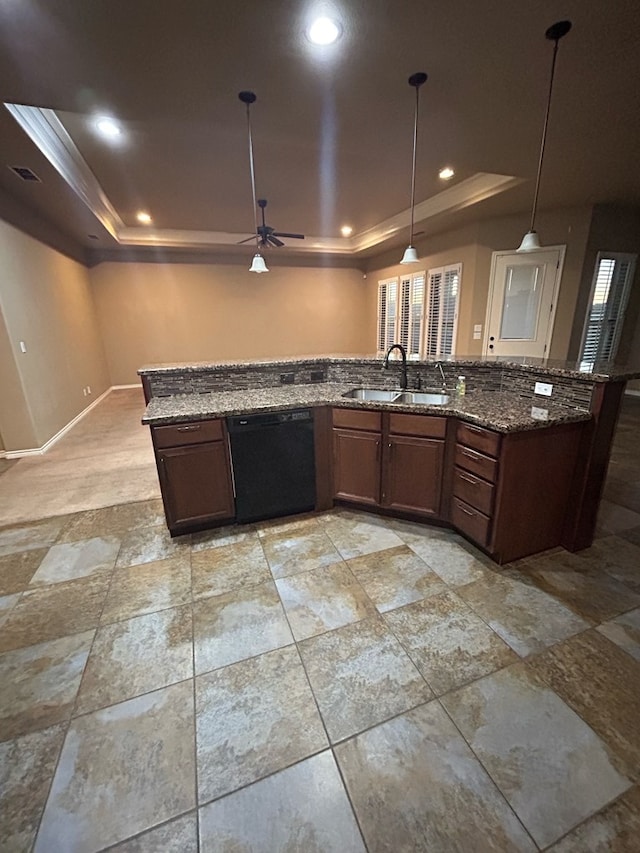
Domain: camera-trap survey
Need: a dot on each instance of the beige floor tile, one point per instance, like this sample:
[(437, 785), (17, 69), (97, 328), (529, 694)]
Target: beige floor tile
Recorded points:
[(253, 718), (177, 836), (113, 520), (238, 625), (117, 773), (305, 522), (26, 769), (624, 631), (136, 656), (74, 560), (323, 599), (218, 570), (40, 683), (602, 683), (313, 814), (416, 786), (616, 518), (28, 536), (221, 536), (290, 552), (449, 644), (542, 756), (356, 535), (449, 559), (617, 556), (148, 587), (526, 618), (360, 676), (616, 829), (595, 595), (55, 611), (150, 544), (16, 570), (7, 603), (395, 577)]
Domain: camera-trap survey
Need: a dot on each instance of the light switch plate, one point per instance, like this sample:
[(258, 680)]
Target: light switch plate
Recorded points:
[(543, 388), (539, 414)]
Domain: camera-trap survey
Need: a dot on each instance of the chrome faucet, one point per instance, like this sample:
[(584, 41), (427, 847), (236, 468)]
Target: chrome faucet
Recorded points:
[(444, 381), (403, 370)]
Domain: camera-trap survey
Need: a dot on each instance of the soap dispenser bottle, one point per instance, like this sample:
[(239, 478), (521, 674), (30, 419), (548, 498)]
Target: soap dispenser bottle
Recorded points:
[(461, 386)]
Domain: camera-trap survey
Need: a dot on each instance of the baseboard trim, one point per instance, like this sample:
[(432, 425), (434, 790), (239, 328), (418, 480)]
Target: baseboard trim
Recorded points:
[(38, 451), (120, 387), (632, 392)]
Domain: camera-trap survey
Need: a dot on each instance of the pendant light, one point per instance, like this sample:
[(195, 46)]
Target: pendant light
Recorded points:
[(416, 80), (530, 241), (257, 264)]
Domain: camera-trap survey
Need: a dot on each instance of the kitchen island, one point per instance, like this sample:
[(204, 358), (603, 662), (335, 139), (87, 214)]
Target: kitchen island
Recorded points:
[(514, 471)]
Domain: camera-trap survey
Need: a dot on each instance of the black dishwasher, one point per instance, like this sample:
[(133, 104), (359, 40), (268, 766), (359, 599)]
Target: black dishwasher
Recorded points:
[(273, 463)]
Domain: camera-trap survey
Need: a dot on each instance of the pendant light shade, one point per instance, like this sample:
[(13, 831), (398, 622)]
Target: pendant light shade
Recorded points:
[(530, 241), (258, 264), (416, 80)]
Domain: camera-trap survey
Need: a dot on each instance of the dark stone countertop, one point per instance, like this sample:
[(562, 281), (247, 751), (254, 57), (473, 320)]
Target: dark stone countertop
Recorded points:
[(497, 410)]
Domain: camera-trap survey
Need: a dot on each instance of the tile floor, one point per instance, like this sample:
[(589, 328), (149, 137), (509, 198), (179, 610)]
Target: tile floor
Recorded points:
[(331, 682)]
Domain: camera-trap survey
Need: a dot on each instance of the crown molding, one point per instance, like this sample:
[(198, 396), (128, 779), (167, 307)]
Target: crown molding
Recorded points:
[(49, 135)]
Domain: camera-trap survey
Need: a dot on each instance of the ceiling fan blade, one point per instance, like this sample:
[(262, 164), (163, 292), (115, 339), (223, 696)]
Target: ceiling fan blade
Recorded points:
[(246, 240), (274, 240), (285, 234)]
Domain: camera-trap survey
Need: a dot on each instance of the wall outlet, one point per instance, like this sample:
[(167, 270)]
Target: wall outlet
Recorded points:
[(543, 388), (287, 378), (477, 331)]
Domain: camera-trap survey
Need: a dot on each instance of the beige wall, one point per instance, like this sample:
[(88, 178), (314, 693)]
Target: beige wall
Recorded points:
[(474, 247), (153, 312), (45, 301)]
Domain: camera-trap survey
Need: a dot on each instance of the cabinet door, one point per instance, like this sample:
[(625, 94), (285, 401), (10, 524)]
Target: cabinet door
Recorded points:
[(356, 469), (196, 484), (413, 474)]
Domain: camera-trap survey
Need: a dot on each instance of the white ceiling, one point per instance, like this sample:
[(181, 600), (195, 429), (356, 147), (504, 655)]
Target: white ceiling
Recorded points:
[(332, 127)]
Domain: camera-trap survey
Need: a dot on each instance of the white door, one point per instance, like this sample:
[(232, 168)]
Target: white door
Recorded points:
[(522, 301)]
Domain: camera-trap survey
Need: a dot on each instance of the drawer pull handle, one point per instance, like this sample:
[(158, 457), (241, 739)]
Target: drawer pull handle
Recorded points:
[(466, 511), (468, 480), (189, 428), (470, 454), (475, 429)]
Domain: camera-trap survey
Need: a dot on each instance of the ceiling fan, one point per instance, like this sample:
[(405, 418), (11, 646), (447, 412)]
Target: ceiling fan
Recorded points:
[(268, 236)]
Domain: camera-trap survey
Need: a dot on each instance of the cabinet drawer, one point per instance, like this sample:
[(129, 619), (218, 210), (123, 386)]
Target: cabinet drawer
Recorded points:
[(196, 432), (477, 463), (472, 490), (479, 439), (357, 419), (422, 425), (470, 521)]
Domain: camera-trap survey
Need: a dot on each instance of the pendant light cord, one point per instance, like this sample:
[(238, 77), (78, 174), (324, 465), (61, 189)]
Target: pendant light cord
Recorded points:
[(253, 182), (413, 169)]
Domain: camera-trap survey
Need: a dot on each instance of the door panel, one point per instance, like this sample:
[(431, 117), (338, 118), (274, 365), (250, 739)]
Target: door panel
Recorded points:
[(356, 468), (413, 478), (520, 310)]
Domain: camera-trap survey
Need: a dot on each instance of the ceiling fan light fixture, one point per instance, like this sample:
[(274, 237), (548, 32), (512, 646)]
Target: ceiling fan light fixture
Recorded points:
[(530, 241), (416, 80), (410, 256), (258, 264)]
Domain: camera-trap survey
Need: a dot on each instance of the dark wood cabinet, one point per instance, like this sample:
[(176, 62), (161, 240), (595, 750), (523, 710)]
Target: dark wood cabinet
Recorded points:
[(389, 460), (195, 474)]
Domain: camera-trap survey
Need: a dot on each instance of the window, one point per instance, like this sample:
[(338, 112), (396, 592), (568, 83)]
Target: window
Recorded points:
[(420, 312), (609, 295)]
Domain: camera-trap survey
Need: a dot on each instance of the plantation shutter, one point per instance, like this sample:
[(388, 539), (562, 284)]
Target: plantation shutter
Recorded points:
[(387, 313), (611, 286), (411, 313), (442, 311)]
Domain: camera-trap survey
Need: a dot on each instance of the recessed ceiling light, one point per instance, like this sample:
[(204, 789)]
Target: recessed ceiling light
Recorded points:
[(109, 128), (324, 31), (143, 217), (346, 231), (446, 173)]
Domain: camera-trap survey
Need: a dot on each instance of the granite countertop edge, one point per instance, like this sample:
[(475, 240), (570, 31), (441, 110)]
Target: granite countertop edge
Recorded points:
[(497, 410), (600, 373)]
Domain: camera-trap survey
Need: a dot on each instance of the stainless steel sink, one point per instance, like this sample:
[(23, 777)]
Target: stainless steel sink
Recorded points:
[(372, 395), (422, 398)]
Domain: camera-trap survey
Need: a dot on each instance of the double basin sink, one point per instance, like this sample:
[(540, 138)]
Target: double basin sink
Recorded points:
[(421, 398)]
